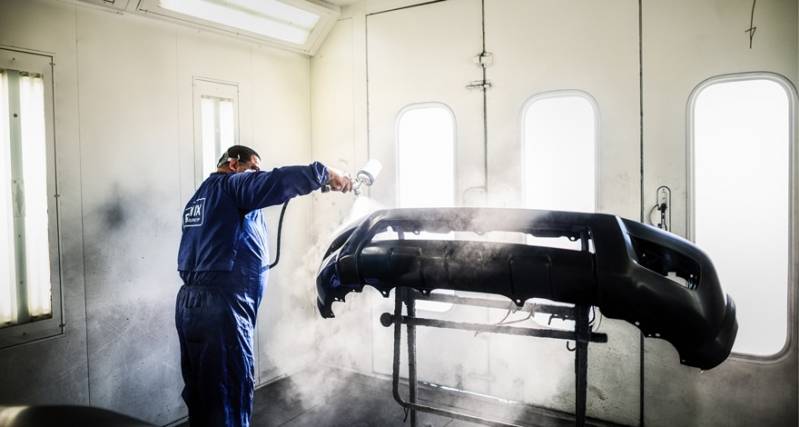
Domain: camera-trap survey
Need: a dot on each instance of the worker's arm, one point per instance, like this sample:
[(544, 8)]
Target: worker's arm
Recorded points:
[(256, 190)]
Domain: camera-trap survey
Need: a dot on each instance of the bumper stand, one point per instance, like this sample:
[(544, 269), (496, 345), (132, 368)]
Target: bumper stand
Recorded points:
[(582, 335)]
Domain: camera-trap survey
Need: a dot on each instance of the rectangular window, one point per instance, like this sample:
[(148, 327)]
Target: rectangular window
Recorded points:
[(740, 175), (216, 123), (29, 301)]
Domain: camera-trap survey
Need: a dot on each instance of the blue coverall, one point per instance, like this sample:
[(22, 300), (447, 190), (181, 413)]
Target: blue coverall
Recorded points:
[(223, 261)]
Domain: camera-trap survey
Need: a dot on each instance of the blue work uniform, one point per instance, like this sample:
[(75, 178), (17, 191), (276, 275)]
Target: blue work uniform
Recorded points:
[(223, 261)]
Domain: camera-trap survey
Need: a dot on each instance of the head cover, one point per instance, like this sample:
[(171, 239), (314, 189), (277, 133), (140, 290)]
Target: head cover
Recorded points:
[(237, 152), (226, 158)]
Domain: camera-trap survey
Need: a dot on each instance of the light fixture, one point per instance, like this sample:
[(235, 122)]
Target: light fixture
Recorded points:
[(269, 18), (281, 11)]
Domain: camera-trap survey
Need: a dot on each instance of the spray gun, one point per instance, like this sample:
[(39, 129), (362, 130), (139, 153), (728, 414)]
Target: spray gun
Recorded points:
[(366, 176)]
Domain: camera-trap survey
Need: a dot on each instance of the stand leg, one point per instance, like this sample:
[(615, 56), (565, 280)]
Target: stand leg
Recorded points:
[(410, 306), (397, 337), (583, 331), (582, 334)]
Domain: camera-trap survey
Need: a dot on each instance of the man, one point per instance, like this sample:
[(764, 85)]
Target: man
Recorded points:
[(223, 262)]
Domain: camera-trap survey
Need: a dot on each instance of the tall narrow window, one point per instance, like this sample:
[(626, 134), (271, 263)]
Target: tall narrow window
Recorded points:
[(25, 285), (216, 123), (426, 165), (426, 156), (741, 199), (559, 161)]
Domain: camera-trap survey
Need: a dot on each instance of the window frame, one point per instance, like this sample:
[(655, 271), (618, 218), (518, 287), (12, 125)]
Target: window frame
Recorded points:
[(208, 87), (793, 196), (559, 93), (17, 334)]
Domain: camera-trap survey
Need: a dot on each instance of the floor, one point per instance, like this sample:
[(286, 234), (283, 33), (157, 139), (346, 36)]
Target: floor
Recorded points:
[(336, 399)]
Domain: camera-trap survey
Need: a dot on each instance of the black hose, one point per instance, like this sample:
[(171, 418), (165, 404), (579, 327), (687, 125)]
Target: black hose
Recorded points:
[(279, 233)]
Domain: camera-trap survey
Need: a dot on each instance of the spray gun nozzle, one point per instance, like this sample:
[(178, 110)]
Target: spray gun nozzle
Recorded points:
[(366, 176)]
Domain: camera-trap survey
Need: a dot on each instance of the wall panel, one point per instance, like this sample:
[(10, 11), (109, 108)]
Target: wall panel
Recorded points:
[(684, 43), (53, 370), (124, 135)]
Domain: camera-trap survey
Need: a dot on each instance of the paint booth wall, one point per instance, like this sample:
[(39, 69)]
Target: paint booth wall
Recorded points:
[(683, 43), (339, 138), (124, 137)]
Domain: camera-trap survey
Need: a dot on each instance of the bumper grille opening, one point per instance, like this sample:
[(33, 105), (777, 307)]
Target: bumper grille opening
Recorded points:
[(678, 268)]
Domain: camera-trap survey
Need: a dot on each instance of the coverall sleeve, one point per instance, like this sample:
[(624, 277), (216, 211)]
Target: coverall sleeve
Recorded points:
[(258, 190)]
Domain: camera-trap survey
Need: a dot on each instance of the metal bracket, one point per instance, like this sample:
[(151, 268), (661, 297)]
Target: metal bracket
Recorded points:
[(484, 59), (480, 84), (664, 207)]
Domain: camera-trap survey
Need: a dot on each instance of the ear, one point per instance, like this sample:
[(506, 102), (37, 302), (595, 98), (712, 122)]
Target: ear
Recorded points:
[(233, 165)]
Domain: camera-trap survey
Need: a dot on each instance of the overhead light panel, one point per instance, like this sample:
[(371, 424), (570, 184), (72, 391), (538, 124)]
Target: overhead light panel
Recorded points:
[(270, 18), (278, 10)]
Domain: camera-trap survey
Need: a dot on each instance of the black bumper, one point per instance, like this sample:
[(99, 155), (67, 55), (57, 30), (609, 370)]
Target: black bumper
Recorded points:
[(655, 280)]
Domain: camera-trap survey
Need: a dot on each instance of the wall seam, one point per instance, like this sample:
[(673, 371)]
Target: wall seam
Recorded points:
[(82, 210), (251, 133), (641, 348)]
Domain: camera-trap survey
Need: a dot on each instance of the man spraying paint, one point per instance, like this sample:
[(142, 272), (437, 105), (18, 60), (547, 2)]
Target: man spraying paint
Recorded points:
[(223, 262)]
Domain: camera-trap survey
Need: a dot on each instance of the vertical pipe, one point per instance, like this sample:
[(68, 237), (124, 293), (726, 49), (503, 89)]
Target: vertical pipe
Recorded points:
[(641, 201), (410, 306), (399, 296), (485, 99), (582, 330), (584, 241), (406, 294), (397, 336)]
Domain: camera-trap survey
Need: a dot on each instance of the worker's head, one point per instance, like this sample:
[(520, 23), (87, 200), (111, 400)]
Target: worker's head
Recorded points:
[(238, 158)]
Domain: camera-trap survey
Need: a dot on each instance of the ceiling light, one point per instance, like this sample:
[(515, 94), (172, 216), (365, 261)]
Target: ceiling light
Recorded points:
[(281, 11), (264, 18)]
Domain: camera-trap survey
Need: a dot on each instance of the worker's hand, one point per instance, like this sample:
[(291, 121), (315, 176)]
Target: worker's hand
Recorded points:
[(338, 181)]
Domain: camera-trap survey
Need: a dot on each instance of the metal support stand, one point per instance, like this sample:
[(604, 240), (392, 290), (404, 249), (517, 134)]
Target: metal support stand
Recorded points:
[(410, 307), (583, 332), (582, 335)]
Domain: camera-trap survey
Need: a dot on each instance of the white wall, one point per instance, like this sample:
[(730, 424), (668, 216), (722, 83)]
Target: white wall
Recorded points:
[(338, 118), (124, 136)]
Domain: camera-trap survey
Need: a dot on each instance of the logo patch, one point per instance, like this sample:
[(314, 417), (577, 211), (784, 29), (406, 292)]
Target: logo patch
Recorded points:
[(194, 213)]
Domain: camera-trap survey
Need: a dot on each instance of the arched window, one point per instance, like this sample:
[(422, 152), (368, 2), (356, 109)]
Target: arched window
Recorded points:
[(559, 151), (426, 166), (740, 158)]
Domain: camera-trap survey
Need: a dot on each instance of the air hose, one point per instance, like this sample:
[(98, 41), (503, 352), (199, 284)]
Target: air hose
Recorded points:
[(279, 234)]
